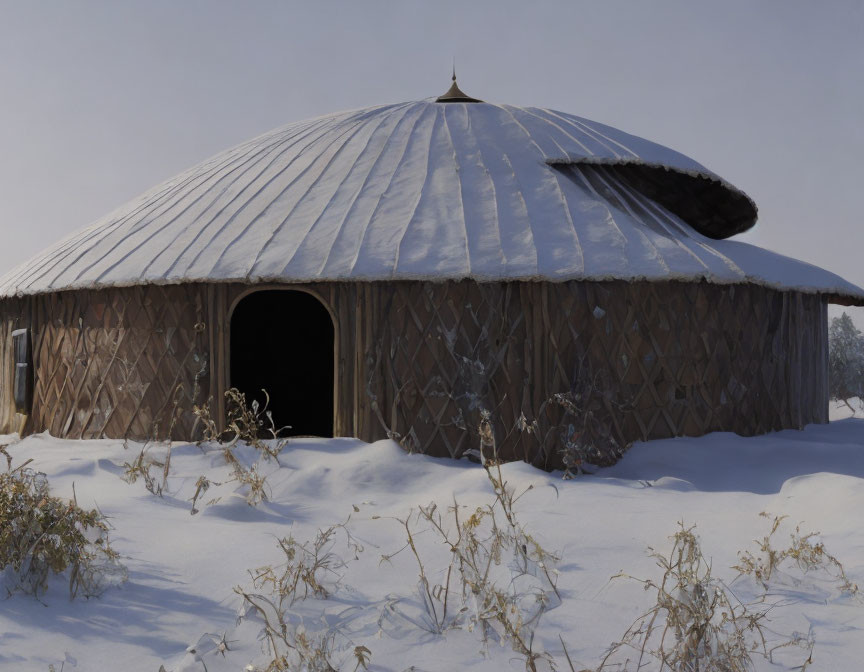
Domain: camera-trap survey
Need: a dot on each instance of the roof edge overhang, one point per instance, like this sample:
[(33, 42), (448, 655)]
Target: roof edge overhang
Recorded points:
[(833, 296), (845, 300)]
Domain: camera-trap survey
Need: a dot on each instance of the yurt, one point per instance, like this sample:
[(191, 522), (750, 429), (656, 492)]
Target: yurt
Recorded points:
[(451, 273)]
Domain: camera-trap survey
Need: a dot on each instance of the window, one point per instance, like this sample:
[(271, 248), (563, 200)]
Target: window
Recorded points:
[(22, 386)]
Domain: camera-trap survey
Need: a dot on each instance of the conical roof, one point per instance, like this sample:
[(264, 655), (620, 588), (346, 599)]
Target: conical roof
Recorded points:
[(427, 190)]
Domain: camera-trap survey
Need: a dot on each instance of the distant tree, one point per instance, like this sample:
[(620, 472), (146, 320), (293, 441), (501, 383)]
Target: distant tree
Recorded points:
[(845, 360)]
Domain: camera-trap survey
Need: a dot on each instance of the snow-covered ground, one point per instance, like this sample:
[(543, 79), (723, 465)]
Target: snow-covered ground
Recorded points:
[(182, 568), (851, 408)]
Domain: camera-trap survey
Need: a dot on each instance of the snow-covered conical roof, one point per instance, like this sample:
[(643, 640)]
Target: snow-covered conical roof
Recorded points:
[(428, 190)]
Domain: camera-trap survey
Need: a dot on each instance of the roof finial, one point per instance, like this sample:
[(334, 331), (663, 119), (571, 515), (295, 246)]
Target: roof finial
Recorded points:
[(454, 93)]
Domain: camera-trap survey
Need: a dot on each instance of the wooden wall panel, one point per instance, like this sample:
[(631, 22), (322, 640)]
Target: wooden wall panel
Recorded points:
[(14, 314), (645, 360), (340, 301), (120, 362), (421, 361)]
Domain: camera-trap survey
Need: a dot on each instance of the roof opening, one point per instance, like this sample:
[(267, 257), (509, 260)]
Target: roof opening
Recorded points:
[(709, 206)]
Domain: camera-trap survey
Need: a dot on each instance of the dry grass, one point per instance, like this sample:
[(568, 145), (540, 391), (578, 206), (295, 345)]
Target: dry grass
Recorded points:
[(202, 485), (144, 465), (252, 480), (696, 623), (804, 553), (245, 423), (42, 535), (573, 422), (498, 579), (313, 653), (146, 460), (310, 570)]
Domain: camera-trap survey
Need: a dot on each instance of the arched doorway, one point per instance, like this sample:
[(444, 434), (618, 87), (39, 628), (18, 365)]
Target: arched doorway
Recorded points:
[(282, 341)]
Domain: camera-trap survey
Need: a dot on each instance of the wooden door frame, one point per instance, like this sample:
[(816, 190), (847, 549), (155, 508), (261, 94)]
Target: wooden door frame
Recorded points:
[(225, 300)]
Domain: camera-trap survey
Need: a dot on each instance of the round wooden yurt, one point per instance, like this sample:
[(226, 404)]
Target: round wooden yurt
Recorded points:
[(445, 272)]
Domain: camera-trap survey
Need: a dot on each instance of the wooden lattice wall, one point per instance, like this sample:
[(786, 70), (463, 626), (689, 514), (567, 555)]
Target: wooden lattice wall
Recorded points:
[(420, 361), (648, 360), (117, 363)]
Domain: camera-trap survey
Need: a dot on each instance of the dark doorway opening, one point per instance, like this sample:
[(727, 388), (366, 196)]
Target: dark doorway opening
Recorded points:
[(282, 341)]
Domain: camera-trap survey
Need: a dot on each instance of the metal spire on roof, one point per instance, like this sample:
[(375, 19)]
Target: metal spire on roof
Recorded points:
[(455, 94)]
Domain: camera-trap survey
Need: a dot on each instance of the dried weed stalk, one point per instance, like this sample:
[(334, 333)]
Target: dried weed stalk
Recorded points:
[(202, 485), (696, 624), (305, 652), (253, 480), (499, 579), (310, 569), (141, 468), (574, 421), (142, 465), (247, 423), (804, 552)]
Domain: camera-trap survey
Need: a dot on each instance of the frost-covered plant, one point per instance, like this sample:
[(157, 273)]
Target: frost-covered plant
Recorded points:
[(251, 479), (498, 579), (696, 624), (310, 569), (41, 535), (245, 423), (305, 652), (570, 421), (804, 552), (146, 460), (143, 465), (845, 360)]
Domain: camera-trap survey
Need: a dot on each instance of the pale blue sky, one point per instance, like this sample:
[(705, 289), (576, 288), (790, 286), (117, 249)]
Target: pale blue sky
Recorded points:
[(99, 100)]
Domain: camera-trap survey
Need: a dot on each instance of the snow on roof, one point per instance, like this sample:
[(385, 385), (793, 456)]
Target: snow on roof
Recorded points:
[(426, 190)]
